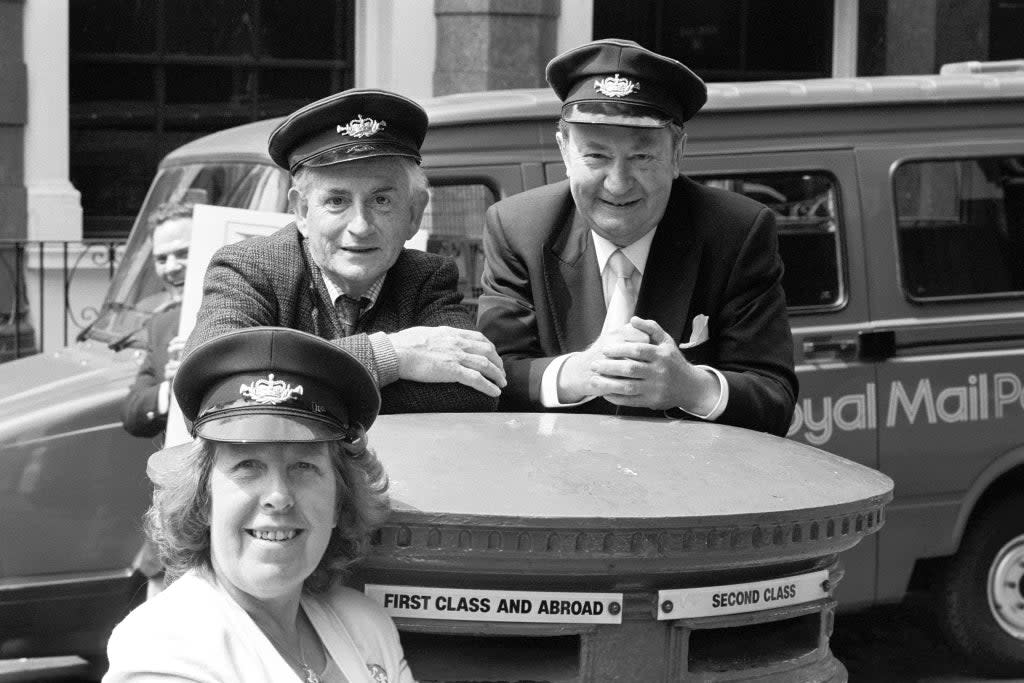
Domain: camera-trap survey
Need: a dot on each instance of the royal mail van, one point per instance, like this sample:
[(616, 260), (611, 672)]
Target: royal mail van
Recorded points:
[(900, 205)]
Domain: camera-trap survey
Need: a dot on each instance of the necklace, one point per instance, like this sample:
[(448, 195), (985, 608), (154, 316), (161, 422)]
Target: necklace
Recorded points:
[(308, 673), (311, 676)]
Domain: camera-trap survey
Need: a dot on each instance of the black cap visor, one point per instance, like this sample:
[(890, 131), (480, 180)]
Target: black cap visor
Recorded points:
[(351, 151), (252, 424), (614, 114)]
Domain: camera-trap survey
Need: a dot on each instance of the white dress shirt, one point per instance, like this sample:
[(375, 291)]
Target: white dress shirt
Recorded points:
[(637, 253)]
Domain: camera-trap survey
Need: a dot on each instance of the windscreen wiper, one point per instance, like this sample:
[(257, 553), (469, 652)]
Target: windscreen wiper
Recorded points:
[(124, 341)]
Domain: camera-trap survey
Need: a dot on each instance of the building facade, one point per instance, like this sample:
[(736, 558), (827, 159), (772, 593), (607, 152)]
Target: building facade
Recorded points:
[(94, 92)]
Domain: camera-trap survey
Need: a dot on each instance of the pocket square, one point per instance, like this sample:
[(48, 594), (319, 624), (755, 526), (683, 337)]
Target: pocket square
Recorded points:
[(698, 332)]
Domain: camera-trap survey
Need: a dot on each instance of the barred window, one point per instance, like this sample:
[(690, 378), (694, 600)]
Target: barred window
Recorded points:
[(454, 223)]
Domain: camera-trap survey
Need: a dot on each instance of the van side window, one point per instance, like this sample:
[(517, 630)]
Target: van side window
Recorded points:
[(807, 215), (961, 227), (454, 223)]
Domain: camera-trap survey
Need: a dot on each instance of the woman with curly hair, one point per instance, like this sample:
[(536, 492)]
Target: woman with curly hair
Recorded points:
[(258, 519)]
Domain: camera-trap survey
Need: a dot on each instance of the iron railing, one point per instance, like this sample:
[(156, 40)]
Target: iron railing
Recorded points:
[(43, 273)]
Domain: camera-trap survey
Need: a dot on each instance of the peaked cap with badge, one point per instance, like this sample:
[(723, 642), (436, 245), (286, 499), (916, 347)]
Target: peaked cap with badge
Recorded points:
[(348, 126), (271, 384), (619, 82)]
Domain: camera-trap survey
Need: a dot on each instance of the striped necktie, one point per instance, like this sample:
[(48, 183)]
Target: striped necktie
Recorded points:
[(348, 313)]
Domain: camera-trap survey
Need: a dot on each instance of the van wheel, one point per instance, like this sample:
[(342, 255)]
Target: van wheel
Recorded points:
[(982, 596)]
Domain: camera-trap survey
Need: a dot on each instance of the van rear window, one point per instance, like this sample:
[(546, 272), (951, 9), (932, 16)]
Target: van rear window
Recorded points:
[(807, 215), (454, 223), (961, 227)]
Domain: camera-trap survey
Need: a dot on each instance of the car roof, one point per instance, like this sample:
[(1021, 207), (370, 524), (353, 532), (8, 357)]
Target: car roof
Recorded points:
[(248, 142)]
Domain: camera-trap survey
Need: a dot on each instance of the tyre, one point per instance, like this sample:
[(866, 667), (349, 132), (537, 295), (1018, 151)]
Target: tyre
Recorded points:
[(982, 595)]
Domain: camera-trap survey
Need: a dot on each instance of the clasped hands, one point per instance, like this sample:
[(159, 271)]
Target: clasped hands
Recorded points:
[(638, 365), (449, 354)]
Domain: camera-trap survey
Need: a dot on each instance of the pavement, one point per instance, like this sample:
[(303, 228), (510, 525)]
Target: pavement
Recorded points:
[(899, 644)]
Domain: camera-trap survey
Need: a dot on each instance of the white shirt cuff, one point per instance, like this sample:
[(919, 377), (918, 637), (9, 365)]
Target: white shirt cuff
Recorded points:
[(723, 396), (163, 398), (549, 385)]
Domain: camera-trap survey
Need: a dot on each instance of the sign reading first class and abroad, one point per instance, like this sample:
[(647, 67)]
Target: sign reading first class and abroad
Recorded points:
[(422, 602), (461, 604)]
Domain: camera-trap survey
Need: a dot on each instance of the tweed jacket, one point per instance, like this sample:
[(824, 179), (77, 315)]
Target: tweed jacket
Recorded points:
[(139, 412), (714, 253), (273, 281)]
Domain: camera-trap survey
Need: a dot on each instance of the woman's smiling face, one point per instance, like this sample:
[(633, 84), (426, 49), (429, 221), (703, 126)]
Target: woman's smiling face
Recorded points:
[(272, 512)]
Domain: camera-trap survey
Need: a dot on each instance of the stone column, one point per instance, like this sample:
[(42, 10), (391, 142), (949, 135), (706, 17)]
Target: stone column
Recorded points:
[(54, 205), (922, 35), (961, 31), (12, 121), (910, 37), (493, 44)]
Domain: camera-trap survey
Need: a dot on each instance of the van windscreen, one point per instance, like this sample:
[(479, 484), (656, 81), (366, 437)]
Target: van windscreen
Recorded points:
[(136, 292)]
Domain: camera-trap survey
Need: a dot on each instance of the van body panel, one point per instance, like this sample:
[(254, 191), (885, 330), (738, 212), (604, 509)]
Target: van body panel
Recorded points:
[(31, 383), (69, 473), (501, 180), (907, 540)]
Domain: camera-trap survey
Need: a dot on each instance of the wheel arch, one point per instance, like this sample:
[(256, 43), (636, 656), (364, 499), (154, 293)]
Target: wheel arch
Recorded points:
[(999, 479)]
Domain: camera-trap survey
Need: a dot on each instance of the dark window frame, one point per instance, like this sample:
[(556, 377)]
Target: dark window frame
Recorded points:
[(903, 248), (838, 229)]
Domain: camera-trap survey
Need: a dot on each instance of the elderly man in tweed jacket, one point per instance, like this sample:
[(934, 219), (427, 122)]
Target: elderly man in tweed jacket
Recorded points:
[(340, 270)]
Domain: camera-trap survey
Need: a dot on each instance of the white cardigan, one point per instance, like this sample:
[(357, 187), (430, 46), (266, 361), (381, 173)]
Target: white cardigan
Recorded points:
[(195, 631)]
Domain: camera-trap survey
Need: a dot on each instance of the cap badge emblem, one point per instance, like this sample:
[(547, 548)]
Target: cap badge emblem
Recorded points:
[(270, 391), (615, 86), (362, 128), (377, 673)]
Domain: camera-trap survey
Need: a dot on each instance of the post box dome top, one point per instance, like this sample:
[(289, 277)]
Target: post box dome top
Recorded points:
[(547, 466)]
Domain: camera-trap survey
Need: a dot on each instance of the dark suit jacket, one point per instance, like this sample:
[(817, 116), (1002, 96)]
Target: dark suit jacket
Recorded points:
[(273, 281), (714, 253), (139, 409)]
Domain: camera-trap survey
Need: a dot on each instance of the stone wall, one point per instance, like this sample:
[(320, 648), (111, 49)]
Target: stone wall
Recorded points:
[(493, 44)]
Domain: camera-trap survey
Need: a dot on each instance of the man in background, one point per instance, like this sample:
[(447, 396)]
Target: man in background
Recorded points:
[(144, 410)]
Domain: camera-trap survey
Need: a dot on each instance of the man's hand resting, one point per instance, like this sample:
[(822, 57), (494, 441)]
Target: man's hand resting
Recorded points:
[(449, 354)]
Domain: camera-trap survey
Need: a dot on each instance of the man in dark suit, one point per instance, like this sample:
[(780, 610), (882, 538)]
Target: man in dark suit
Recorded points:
[(144, 410), (629, 288), (340, 270)]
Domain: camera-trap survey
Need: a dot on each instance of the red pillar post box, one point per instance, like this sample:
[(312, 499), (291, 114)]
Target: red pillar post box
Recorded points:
[(569, 547)]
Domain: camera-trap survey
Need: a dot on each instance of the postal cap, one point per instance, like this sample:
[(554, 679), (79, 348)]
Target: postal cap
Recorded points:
[(266, 384), (619, 82), (270, 384), (347, 126)]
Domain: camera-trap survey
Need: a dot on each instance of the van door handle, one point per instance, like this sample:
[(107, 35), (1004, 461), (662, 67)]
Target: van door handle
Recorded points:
[(872, 345), (830, 348)]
